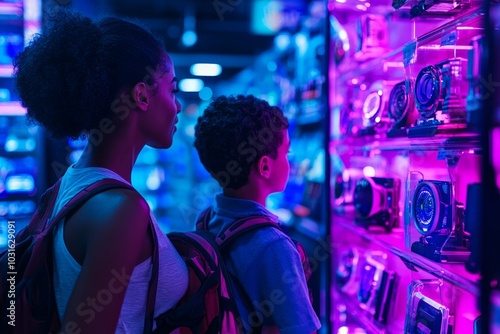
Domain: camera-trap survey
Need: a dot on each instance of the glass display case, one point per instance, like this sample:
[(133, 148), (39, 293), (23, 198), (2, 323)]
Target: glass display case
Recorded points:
[(406, 92)]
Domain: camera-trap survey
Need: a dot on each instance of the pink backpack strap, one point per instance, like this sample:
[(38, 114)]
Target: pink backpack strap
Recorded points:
[(204, 219), (242, 226)]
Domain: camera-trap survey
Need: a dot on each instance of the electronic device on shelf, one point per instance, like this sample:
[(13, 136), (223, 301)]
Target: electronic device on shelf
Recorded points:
[(375, 108), (440, 221), (427, 316), (440, 98), (343, 190), (376, 202), (373, 36), (478, 325), (478, 89), (376, 289), (401, 108), (425, 8), (472, 223), (347, 273)]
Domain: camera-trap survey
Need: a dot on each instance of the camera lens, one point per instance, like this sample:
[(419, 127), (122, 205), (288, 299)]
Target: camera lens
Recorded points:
[(363, 197), (425, 208), (398, 102), (427, 91), (372, 103)]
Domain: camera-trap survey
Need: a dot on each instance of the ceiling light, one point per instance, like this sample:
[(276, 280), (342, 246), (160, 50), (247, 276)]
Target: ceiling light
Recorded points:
[(189, 38), (207, 70), (191, 85), (282, 41), (205, 93)]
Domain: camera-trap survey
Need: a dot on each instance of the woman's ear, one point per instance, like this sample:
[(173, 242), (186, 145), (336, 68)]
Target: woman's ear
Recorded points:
[(263, 166), (140, 96)]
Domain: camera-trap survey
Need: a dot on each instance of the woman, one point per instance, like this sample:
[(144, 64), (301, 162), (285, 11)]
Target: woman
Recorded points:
[(112, 81)]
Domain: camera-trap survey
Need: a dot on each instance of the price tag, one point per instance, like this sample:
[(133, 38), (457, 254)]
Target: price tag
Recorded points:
[(409, 53), (450, 39)]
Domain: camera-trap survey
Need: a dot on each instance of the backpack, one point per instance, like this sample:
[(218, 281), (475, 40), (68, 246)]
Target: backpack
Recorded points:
[(28, 302), (209, 307)]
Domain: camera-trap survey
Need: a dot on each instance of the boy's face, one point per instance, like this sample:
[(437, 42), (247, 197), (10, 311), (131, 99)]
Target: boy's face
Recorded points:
[(281, 165)]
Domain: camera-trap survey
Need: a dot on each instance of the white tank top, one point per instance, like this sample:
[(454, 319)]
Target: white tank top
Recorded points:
[(172, 275)]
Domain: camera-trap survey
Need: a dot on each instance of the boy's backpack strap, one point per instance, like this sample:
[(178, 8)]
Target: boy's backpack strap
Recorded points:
[(204, 219), (242, 226)]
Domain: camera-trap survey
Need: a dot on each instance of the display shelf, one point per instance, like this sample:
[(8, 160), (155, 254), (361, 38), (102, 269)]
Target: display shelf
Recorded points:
[(394, 242), (353, 68), (357, 313), (457, 141)]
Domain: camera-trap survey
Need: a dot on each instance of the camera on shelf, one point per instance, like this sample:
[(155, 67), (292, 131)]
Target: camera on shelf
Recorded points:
[(401, 109), (375, 114), (376, 202), (427, 316), (343, 190), (376, 289), (440, 221), (440, 97), (478, 92), (346, 275)]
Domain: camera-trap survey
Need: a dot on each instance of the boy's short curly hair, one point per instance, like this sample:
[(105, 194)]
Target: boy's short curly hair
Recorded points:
[(70, 76), (234, 132)]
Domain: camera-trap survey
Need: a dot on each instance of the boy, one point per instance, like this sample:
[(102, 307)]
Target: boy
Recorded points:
[(243, 143)]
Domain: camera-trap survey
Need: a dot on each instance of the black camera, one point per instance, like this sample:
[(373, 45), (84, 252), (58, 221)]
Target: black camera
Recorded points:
[(428, 316), (376, 289), (401, 109), (343, 189), (346, 275), (440, 221), (376, 201), (440, 97)]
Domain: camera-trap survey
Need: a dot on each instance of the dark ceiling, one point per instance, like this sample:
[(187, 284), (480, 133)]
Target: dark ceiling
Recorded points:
[(223, 28)]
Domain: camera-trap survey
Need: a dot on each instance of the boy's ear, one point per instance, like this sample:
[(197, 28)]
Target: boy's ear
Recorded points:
[(140, 96), (263, 166)]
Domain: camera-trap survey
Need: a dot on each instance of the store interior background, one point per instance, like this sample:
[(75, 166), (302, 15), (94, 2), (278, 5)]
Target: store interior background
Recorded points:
[(272, 49), (245, 38), (306, 57)]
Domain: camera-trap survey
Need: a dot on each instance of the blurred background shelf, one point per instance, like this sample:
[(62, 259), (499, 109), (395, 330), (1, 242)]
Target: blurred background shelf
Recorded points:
[(394, 242)]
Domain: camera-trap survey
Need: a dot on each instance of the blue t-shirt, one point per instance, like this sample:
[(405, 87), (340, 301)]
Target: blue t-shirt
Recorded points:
[(270, 286)]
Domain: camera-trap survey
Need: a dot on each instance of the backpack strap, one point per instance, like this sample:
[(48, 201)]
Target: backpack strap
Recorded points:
[(153, 283), (204, 219), (242, 226), (80, 198), (85, 194), (39, 220)]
